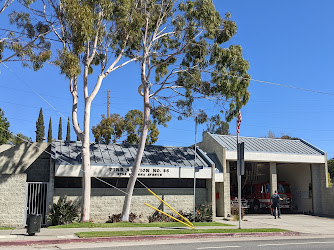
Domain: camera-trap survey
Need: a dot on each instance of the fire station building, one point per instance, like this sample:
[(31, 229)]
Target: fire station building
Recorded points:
[(33, 176), (291, 166)]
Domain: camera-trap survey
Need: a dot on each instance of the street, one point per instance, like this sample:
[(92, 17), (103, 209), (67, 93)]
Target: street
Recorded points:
[(201, 244)]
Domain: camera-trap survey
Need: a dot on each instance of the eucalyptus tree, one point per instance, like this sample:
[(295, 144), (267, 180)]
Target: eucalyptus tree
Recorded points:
[(27, 43), (96, 37), (182, 58)]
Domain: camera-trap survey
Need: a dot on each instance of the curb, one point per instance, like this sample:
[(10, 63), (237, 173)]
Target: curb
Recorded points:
[(143, 237)]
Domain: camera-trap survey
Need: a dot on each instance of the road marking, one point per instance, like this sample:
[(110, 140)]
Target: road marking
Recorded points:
[(217, 247), (296, 243)]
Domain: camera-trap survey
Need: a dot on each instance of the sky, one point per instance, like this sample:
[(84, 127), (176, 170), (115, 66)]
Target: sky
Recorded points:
[(288, 43)]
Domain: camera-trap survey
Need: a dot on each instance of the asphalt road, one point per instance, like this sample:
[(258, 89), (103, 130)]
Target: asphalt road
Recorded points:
[(207, 244), (261, 244)]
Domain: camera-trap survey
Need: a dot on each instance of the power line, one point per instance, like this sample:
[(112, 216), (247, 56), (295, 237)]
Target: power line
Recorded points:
[(54, 157)]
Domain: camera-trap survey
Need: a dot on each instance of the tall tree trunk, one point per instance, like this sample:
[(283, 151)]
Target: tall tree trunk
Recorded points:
[(139, 156), (86, 179)]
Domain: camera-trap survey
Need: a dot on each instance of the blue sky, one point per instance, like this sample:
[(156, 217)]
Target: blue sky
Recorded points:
[(286, 42)]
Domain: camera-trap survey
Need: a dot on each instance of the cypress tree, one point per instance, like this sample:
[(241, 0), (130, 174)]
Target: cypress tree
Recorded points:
[(68, 131), (60, 130), (40, 129), (50, 131), (4, 132)]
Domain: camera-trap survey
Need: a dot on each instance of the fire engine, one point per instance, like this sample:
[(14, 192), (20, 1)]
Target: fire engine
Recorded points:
[(258, 195)]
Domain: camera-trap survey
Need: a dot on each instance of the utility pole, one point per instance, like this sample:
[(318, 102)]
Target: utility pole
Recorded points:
[(108, 91)]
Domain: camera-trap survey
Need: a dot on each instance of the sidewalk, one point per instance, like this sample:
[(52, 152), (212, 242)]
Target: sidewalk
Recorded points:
[(298, 224)]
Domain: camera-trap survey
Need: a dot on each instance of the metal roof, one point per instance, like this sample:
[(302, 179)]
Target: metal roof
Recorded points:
[(124, 155), (268, 145)]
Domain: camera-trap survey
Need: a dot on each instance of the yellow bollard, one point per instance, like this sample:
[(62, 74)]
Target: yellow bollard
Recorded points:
[(170, 207), (169, 216)]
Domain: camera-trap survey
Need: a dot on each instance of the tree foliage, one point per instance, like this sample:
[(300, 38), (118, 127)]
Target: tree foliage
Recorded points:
[(133, 122), (19, 138), (40, 129), (4, 128), (115, 127), (28, 44), (218, 126), (331, 167), (109, 129)]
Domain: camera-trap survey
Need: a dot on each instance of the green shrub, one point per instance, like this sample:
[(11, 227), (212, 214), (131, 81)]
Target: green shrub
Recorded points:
[(203, 214), (117, 218), (159, 217), (235, 211), (63, 212)]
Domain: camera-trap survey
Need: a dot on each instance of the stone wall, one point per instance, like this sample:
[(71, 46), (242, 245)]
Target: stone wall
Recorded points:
[(323, 196), (12, 200), (209, 145), (105, 201)]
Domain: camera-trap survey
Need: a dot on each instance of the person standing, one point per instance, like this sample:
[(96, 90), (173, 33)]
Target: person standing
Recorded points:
[(275, 198)]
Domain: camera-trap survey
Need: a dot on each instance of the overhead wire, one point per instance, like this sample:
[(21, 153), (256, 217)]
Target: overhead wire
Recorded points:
[(60, 159)]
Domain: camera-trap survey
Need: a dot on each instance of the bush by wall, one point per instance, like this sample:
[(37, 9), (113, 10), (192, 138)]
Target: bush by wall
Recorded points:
[(63, 212)]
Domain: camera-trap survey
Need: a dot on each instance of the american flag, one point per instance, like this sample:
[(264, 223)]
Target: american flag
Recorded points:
[(238, 122)]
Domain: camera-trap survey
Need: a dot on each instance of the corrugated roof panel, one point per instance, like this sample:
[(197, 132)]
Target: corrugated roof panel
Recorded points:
[(125, 154), (269, 145)]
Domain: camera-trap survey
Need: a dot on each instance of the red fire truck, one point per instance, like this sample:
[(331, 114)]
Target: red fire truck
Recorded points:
[(258, 195)]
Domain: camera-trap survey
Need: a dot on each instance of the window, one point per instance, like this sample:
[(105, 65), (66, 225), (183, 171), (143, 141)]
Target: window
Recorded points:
[(75, 182)]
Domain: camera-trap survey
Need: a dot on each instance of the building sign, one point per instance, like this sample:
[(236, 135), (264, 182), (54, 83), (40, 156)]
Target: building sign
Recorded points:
[(125, 172), (143, 172)]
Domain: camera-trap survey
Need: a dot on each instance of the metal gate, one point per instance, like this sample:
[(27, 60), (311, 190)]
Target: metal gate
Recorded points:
[(37, 199)]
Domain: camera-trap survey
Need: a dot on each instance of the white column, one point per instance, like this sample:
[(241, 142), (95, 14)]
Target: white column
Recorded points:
[(273, 177), (227, 193)]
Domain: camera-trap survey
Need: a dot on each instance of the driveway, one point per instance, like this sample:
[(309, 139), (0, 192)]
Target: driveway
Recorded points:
[(305, 224)]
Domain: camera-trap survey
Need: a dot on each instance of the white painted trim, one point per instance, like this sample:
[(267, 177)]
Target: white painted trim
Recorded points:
[(113, 171), (276, 157)]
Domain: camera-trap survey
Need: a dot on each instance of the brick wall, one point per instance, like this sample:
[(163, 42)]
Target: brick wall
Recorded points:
[(12, 200), (105, 202)]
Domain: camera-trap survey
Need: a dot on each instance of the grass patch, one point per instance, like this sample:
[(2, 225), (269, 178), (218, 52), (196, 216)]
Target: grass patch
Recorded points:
[(6, 228), (129, 224), (170, 232)]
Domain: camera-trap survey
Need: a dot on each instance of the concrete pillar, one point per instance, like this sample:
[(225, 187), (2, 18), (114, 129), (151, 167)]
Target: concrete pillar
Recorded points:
[(51, 187), (273, 177), (213, 191), (227, 194), (220, 201), (317, 189)]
